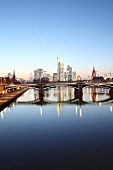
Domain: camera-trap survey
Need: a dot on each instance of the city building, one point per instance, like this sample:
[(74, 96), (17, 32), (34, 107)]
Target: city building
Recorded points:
[(5, 80), (74, 76), (9, 75), (99, 79), (55, 76), (44, 74), (69, 73), (38, 74), (65, 76), (60, 70), (78, 78), (30, 77)]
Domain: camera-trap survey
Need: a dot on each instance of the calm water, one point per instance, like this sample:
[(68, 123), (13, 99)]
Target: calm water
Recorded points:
[(57, 136)]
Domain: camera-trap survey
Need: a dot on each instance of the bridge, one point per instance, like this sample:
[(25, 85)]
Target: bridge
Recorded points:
[(78, 89), (76, 85)]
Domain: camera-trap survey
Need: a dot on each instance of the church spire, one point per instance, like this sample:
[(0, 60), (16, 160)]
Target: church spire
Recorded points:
[(13, 78), (93, 73)]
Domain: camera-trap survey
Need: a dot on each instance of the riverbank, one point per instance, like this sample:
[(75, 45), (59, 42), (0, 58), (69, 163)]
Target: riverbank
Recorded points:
[(8, 98)]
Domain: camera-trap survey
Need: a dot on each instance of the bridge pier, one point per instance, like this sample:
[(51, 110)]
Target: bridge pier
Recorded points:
[(41, 94), (111, 92), (78, 93)]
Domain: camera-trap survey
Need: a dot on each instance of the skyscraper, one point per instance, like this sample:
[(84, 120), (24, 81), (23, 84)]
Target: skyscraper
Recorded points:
[(69, 73), (30, 77), (74, 75), (60, 70), (38, 74)]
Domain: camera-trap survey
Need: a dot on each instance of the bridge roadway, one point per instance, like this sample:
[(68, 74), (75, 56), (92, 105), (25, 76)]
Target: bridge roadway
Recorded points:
[(72, 84), (51, 84)]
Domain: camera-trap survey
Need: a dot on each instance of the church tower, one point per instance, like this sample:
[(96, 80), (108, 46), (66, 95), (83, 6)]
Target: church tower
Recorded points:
[(13, 78), (93, 73)]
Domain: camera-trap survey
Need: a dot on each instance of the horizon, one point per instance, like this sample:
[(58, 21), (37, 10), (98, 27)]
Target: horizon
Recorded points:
[(34, 33)]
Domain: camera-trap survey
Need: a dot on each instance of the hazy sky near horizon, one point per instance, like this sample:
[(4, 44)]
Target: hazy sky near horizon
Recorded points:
[(34, 32)]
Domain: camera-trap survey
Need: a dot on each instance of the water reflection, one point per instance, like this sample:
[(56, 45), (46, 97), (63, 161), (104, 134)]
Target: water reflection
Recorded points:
[(58, 109), (111, 107), (95, 94), (80, 111), (4, 111), (78, 107), (41, 110), (59, 93), (63, 94), (2, 114)]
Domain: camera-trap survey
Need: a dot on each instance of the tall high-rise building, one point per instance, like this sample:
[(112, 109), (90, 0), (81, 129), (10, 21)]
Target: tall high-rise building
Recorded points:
[(74, 75), (69, 73), (65, 76), (44, 74), (30, 77), (38, 74), (60, 70), (55, 76)]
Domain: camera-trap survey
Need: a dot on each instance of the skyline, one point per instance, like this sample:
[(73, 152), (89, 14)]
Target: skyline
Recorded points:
[(34, 33)]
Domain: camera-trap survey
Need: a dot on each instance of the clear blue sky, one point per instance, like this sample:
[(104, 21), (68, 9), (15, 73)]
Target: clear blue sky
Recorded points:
[(34, 32)]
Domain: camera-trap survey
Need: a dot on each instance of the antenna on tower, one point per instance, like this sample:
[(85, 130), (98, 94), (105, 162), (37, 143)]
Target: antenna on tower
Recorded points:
[(57, 60)]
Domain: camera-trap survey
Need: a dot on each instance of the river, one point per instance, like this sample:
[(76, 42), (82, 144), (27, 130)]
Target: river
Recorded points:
[(58, 135)]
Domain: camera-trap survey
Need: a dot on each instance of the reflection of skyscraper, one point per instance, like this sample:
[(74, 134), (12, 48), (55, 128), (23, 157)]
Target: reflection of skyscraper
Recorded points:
[(60, 93), (36, 94), (58, 109), (40, 110), (111, 107), (80, 111), (69, 93)]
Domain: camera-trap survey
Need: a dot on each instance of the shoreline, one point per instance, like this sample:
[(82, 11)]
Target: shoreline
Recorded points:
[(7, 99)]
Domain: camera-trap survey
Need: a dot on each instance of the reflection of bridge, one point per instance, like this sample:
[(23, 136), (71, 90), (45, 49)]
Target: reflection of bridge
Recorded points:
[(72, 101), (78, 92)]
